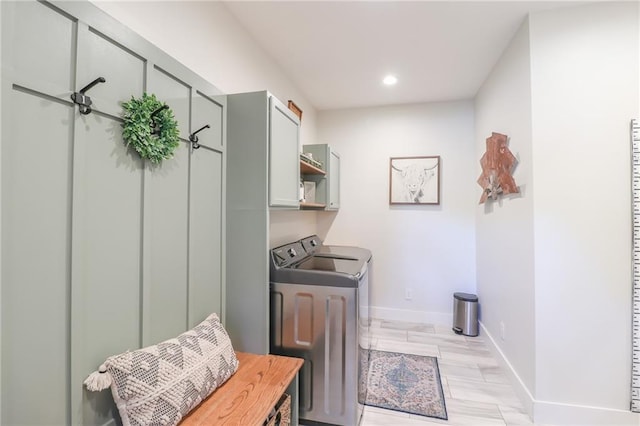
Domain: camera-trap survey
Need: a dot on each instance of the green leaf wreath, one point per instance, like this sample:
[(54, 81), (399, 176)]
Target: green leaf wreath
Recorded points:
[(150, 127)]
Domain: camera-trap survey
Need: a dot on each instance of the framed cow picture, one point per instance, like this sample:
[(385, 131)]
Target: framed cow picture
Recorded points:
[(414, 180)]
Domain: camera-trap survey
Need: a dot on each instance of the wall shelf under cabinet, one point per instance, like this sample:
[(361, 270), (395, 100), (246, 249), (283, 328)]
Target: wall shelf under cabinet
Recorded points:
[(311, 206), (308, 169)]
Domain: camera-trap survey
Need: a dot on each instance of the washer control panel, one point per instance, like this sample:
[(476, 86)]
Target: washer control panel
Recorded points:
[(288, 254), (311, 244)]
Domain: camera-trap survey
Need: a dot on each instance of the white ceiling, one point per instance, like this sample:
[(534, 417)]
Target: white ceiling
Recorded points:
[(337, 52)]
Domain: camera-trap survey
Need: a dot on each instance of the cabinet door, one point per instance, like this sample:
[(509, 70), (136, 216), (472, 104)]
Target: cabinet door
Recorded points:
[(334, 181), (284, 158)]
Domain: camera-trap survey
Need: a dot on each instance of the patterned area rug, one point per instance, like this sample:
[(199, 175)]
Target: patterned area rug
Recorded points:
[(404, 382)]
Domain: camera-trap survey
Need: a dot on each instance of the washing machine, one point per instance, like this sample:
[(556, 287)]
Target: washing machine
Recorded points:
[(319, 312)]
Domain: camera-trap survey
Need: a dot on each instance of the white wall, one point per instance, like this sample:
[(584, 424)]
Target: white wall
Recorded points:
[(584, 74), (430, 249), (570, 233), (504, 228), (205, 37)]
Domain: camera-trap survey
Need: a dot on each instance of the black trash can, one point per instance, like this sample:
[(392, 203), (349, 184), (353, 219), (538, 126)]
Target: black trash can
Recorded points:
[(465, 314)]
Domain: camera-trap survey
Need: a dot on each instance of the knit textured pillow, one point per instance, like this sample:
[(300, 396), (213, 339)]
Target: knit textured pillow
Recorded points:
[(160, 384)]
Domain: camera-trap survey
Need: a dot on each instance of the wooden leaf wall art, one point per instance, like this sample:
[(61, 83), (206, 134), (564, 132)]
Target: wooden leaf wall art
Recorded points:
[(497, 165)]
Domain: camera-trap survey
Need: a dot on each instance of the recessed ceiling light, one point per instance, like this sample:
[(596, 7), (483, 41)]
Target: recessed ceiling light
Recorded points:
[(390, 80)]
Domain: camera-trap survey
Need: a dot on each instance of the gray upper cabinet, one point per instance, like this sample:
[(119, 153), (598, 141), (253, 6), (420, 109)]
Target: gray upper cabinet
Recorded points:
[(268, 161), (284, 163), (328, 185)]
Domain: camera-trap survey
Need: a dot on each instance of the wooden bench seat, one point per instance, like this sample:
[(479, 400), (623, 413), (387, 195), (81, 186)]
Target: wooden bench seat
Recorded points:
[(246, 399)]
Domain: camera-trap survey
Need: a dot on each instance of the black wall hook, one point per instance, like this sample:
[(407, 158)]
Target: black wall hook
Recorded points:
[(154, 126), (85, 101), (194, 139)]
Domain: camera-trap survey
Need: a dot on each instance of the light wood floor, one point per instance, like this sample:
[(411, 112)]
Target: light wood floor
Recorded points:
[(476, 391)]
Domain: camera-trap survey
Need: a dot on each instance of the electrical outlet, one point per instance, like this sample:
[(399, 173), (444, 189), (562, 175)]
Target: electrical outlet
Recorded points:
[(503, 331), (408, 294)]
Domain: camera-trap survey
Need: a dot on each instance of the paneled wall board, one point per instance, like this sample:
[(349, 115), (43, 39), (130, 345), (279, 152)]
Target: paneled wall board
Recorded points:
[(36, 222), (206, 217), (106, 247), (123, 70), (207, 111), (166, 224), (176, 93), (102, 252), (166, 221), (30, 55), (205, 230)]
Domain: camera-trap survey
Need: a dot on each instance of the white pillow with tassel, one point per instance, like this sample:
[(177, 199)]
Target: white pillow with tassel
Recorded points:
[(160, 384)]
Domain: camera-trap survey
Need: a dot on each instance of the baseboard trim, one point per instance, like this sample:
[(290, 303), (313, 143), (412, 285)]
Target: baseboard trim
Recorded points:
[(520, 388), (391, 314), (546, 412)]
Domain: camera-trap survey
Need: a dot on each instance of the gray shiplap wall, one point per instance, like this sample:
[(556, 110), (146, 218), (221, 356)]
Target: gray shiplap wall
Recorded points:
[(101, 251)]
